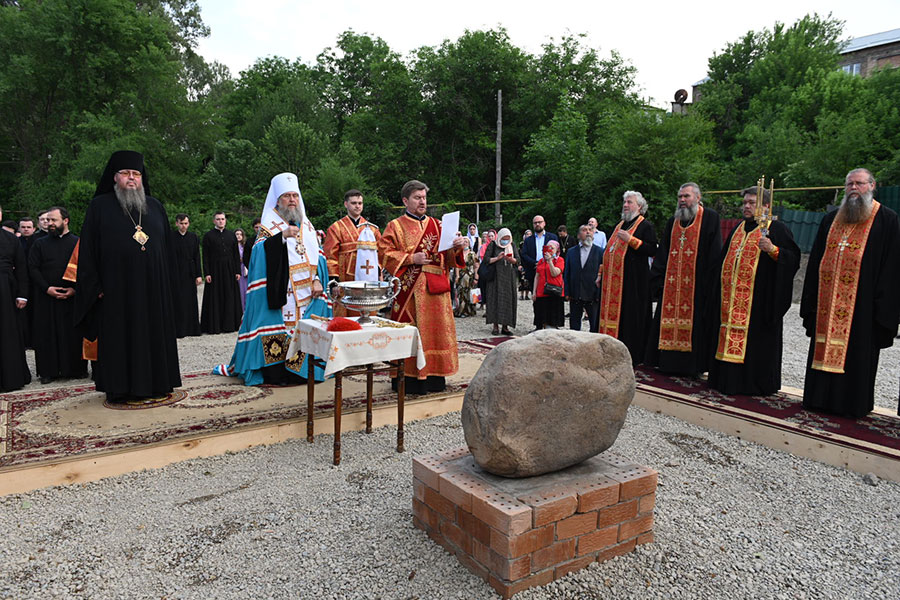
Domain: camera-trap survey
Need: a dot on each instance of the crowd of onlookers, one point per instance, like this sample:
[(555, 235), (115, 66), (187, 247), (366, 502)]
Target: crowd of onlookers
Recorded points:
[(499, 273)]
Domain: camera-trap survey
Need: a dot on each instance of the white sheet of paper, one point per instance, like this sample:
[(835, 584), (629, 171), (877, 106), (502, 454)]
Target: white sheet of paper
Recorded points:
[(449, 227)]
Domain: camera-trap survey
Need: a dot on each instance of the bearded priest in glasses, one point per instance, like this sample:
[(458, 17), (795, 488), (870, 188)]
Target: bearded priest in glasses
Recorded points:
[(123, 298)]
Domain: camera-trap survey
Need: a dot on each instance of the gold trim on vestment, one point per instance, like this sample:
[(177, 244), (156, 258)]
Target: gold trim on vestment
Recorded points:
[(738, 281), (614, 280), (676, 325), (838, 283)]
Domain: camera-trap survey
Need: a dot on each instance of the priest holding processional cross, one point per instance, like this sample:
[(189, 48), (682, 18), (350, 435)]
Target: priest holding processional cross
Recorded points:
[(754, 291), (284, 284)]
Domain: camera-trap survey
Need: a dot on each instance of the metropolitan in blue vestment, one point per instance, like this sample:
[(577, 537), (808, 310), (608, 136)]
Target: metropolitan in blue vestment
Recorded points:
[(284, 283)]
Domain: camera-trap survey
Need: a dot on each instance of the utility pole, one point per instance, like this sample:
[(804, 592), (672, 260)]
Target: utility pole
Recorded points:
[(498, 218)]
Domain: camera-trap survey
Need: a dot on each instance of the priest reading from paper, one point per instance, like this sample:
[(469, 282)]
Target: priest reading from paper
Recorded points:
[(284, 284), (351, 248), (409, 248)]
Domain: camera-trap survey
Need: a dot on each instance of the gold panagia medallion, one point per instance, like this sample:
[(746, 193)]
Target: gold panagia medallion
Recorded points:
[(140, 237)]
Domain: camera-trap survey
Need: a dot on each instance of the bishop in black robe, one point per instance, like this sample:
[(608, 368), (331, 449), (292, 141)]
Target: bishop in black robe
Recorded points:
[(123, 296), (222, 310), (873, 324), (57, 344), (185, 254), (14, 373), (695, 361), (760, 372)]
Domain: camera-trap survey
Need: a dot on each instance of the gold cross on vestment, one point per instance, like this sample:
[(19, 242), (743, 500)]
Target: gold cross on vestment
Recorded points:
[(289, 315), (843, 244), (682, 240), (367, 267)]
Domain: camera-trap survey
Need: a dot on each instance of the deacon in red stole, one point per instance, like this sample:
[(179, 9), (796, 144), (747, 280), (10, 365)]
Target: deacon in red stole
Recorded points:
[(681, 279), (754, 293), (343, 246), (851, 300), (409, 250), (625, 277)]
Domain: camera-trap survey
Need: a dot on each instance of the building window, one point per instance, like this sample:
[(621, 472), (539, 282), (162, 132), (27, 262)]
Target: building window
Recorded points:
[(853, 69)]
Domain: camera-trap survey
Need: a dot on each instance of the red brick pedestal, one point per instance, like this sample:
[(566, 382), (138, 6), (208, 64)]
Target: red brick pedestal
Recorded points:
[(520, 533)]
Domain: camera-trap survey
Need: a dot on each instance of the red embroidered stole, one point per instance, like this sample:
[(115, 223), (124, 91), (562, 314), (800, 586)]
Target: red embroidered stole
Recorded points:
[(677, 305), (738, 280), (838, 282), (348, 244), (613, 280), (409, 274)]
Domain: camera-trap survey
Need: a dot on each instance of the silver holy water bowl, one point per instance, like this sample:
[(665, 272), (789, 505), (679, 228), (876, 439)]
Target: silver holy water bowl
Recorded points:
[(365, 297)]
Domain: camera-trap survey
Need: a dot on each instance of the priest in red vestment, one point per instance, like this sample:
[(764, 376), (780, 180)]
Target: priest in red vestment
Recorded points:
[(409, 250), (683, 273), (851, 300), (752, 296), (342, 242)]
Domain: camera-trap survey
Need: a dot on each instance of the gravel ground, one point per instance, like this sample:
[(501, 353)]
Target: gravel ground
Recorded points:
[(733, 518)]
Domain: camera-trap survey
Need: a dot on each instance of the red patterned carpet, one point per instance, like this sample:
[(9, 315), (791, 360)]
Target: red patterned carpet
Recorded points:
[(50, 425), (875, 433), (65, 422)]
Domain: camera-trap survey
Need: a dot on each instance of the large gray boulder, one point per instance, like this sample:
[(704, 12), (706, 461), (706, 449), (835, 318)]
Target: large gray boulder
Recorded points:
[(547, 401)]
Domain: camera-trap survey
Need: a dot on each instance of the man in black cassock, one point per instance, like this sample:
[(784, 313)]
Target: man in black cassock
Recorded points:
[(851, 300), (756, 267), (681, 278), (123, 298), (222, 310), (27, 237), (184, 248), (631, 244), (57, 345), (14, 373)]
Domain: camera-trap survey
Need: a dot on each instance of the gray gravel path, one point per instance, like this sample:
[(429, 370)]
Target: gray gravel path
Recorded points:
[(733, 519)]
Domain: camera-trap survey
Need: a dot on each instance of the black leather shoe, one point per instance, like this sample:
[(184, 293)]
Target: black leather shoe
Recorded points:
[(46, 380)]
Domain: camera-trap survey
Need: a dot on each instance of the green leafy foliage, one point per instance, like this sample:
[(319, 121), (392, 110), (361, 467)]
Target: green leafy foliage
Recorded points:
[(82, 78)]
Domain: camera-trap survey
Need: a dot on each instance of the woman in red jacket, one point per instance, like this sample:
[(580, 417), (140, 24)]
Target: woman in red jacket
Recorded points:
[(549, 311)]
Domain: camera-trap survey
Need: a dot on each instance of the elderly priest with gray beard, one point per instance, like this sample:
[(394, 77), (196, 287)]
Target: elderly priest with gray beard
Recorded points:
[(284, 284), (851, 300), (123, 300)]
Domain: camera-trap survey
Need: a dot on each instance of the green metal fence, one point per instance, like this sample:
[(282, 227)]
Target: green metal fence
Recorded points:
[(804, 225)]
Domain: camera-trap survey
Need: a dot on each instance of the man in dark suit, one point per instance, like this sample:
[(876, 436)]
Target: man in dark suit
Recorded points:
[(533, 247), (580, 276)]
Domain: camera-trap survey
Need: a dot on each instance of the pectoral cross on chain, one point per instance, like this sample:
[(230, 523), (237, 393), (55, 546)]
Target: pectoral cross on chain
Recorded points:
[(367, 267)]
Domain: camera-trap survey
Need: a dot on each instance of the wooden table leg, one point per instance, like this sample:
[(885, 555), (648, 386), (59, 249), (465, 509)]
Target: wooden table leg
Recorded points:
[(310, 395), (370, 374), (338, 400), (401, 396)]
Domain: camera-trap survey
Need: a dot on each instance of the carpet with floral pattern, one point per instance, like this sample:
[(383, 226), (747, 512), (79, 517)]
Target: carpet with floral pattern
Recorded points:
[(53, 424)]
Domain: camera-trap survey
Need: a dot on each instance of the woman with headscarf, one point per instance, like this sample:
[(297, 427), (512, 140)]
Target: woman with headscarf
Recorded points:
[(549, 311), (501, 290)]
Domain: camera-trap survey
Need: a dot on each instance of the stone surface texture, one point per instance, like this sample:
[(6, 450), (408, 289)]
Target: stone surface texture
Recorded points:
[(526, 532), (547, 401)]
